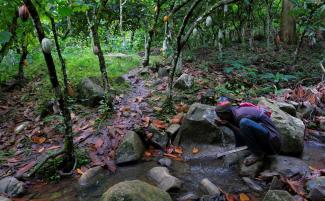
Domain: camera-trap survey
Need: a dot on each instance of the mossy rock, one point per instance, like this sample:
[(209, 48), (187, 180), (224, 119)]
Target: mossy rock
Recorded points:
[(135, 190)]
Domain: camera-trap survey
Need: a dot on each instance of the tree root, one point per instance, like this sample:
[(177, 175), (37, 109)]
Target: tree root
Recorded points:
[(42, 162)]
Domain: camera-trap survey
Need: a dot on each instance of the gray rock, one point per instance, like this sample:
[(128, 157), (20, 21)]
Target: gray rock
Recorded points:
[(163, 71), (252, 184), (277, 195), (185, 81), (288, 166), (212, 198), (234, 158), (135, 190), (90, 176), (11, 186), (208, 187), (322, 124), (2, 198), (164, 179), (188, 196), (288, 108), (316, 188), (199, 125), (131, 148), (291, 129), (252, 170), (208, 97), (90, 91), (305, 110), (227, 135), (165, 162), (144, 71), (172, 129), (161, 139)]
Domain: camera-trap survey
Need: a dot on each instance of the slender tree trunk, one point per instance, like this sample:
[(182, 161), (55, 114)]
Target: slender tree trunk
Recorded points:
[(12, 29), (147, 50), (268, 23), (23, 56), (68, 140), (288, 23), (251, 26)]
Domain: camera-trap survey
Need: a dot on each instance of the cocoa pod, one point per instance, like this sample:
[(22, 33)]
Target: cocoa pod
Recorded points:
[(95, 50), (46, 45), (208, 21), (23, 13)]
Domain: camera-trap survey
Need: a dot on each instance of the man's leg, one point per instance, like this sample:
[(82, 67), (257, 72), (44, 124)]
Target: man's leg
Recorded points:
[(256, 138)]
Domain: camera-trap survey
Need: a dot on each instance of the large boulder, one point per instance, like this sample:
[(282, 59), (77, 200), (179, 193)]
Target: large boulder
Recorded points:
[(288, 166), (164, 179), (291, 129), (131, 148), (278, 195), (11, 186), (90, 91), (135, 191), (199, 126), (185, 81)]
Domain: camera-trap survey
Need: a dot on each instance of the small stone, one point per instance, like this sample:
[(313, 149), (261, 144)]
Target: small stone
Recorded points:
[(288, 108), (277, 195), (11, 186), (172, 129), (276, 184), (90, 91), (164, 179), (252, 170), (89, 176), (208, 187), (21, 127), (188, 196), (165, 162), (161, 139), (252, 184), (2, 198), (163, 71)]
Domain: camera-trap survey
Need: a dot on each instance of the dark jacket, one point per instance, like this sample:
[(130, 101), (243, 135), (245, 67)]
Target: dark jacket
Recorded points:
[(258, 115)]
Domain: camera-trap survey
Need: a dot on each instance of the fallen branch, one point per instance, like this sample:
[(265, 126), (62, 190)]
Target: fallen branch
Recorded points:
[(231, 151), (42, 162)]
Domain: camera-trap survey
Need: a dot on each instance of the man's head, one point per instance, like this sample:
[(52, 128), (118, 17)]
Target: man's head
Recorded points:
[(224, 111)]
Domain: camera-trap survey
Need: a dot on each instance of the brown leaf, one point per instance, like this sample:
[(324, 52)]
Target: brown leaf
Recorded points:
[(38, 140), (53, 147), (177, 119), (195, 150), (159, 124), (297, 186), (243, 197), (178, 150), (146, 121), (25, 168), (79, 171), (230, 197), (99, 143), (111, 165)]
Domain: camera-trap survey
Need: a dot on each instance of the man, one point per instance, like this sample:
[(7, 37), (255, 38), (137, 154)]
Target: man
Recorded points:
[(252, 127)]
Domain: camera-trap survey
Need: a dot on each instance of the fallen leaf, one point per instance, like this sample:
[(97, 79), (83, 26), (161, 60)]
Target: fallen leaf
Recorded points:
[(230, 197), (111, 165), (79, 171), (41, 150), (138, 99), (147, 154), (159, 124), (243, 197), (195, 150), (38, 140), (177, 119), (178, 150), (99, 143), (54, 147), (182, 107), (158, 109), (146, 121)]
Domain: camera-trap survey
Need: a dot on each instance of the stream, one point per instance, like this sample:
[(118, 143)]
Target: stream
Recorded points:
[(191, 172)]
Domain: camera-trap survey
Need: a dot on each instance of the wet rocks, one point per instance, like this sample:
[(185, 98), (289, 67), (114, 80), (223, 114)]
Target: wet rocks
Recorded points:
[(89, 177), (2, 198), (208, 187), (164, 179), (251, 170), (159, 138), (277, 195), (288, 166), (291, 129), (135, 190), (188, 196), (165, 162), (199, 125), (164, 71), (316, 188), (11, 186), (172, 129), (131, 148), (185, 81), (90, 91), (252, 184)]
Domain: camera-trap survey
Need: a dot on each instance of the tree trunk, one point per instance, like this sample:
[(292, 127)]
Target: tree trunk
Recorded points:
[(12, 29), (23, 56), (147, 50), (268, 25), (288, 23), (68, 139)]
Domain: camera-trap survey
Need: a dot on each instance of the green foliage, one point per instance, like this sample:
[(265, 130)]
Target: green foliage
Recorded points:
[(82, 157), (49, 172), (5, 155)]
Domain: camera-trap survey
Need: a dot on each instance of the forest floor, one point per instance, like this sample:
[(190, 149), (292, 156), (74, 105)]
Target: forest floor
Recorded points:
[(25, 136)]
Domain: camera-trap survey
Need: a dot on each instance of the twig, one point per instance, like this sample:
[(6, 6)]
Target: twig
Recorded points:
[(43, 161)]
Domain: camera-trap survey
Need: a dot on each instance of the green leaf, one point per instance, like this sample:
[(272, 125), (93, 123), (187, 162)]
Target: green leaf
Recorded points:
[(4, 36), (65, 11)]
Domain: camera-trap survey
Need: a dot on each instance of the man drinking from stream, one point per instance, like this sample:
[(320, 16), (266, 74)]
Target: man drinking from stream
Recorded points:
[(253, 127)]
